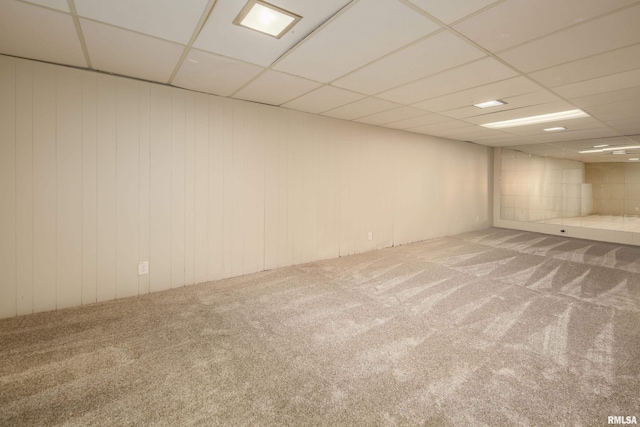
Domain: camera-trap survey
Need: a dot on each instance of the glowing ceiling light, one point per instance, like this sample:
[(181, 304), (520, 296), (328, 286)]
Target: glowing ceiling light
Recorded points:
[(604, 150), (488, 104), (532, 120), (266, 18)]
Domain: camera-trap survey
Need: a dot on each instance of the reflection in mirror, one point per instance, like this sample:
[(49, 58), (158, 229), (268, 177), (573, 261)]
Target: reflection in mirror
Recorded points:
[(593, 189)]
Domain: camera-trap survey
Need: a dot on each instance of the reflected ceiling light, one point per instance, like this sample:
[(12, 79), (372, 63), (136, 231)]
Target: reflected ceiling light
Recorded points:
[(634, 159), (604, 150), (543, 118), (488, 104), (266, 18), (600, 146), (555, 129), (620, 152)]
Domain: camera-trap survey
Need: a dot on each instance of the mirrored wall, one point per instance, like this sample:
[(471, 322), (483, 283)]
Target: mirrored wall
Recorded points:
[(603, 195)]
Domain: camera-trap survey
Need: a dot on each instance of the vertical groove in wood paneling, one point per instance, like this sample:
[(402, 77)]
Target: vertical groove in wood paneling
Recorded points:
[(363, 214), (346, 183), (89, 188), (236, 193), (160, 189), (24, 186), (310, 143), (106, 187), (128, 187), (177, 187), (297, 146), (284, 237), (8, 275), (201, 203), (44, 187), (260, 185), (218, 108), (292, 183), (333, 207), (249, 188), (322, 186), (69, 187), (271, 198), (143, 178), (225, 204), (189, 189)]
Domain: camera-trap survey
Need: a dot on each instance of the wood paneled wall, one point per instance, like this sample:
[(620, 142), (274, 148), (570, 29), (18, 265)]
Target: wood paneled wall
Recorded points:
[(98, 173)]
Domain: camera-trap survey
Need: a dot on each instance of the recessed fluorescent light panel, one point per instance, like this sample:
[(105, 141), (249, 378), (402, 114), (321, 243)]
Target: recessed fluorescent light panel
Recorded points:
[(489, 104), (266, 18), (614, 149), (634, 159), (544, 118), (555, 129)]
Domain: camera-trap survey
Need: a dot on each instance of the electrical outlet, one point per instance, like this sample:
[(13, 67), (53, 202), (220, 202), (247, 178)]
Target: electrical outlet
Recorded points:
[(371, 235), (143, 268)]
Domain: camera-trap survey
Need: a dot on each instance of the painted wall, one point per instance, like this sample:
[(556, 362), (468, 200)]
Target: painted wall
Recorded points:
[(98, 173)]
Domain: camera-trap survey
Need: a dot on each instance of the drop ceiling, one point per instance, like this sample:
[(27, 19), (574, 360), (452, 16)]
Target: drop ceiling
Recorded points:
[(416, 65)]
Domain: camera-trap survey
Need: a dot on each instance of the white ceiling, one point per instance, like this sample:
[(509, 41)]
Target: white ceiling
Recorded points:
[(416, 65)]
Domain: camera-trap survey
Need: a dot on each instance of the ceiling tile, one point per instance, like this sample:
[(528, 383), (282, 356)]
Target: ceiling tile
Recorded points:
[(472, 133), (166, 19), (60, 5), (608, 63), (337, 49), (541, 149), (615, 96), (429, 56), (513, 22), (600, 85), (451, 10), (513, 102), (275, 88), (572, 126), (506, 141), (394, 115), (361, 108), (601, 132), (625, 126), (414, 122), (480, 72), (323, 99), (444, 129), (449, 127), (628, 108), (131, 54), (591, 38), (34, 32), (219, 34), (495, 135), (630, 129), (498, 90), (214, 74)]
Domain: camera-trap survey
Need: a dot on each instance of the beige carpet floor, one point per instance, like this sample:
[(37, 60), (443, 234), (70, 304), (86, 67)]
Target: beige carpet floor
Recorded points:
[(496, 327)]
